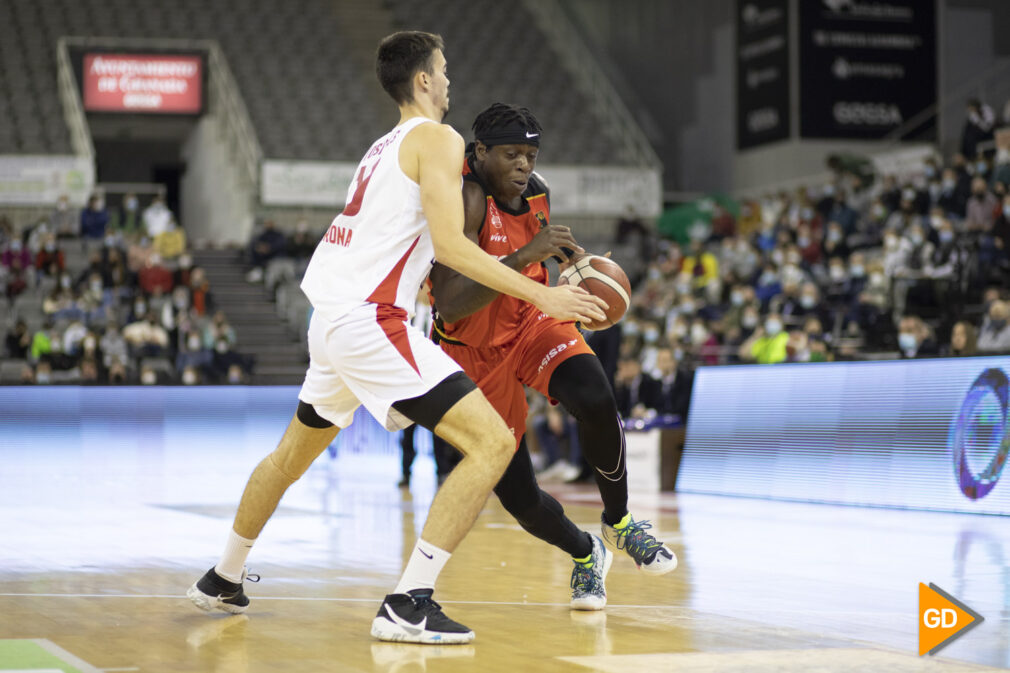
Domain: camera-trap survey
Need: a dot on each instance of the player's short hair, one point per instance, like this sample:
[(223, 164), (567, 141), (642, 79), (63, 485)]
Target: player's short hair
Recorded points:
[(501, 117), (400, 56)]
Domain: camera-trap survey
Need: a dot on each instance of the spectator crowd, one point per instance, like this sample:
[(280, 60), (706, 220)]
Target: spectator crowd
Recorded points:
[(859, 267), (110, 296)]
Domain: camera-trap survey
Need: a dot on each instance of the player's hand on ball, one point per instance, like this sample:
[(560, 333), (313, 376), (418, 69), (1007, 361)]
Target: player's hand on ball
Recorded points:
[(554, 240), (569, 302)]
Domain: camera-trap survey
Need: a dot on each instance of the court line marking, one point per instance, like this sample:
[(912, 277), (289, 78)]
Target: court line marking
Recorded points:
[(450, 602), (60, 653)]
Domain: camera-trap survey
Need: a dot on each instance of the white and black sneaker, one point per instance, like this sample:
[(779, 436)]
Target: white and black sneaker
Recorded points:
[(215, 592), (414, 618)]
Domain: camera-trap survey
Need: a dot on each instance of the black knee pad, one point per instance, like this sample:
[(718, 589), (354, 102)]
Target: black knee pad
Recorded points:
[(307, 415)]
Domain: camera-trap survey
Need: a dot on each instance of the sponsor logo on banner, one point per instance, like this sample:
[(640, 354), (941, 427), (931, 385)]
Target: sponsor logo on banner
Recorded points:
[(844, 69), (863, 10), (762, 120), (754, 17), (867, 114)]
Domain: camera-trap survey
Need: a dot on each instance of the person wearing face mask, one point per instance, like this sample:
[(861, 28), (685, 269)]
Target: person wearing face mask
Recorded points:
[(16, 253), (915, 339), (671, 392), (947, 258), (129, 215), (994, 336), (979, 121), (94, 219), (749, 321), (954, 192), (1001, 233), (980, 213), (62, 219), (767, 345), (768, 284), (50, 255)]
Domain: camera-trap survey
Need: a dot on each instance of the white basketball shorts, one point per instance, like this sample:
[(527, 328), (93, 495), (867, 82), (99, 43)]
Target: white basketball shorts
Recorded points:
[(371, 356)]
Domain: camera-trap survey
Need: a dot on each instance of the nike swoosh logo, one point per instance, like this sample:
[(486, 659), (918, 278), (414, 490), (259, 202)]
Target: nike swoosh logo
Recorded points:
[(412, 629), (620, 460), (431, 556), (531, 135)]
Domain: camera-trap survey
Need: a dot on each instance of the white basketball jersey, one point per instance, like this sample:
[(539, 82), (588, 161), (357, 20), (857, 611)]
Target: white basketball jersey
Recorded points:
[(378, 249)]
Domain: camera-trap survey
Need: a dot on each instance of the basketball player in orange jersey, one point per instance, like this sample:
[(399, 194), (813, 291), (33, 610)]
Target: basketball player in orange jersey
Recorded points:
[(504, 343), (403, 209)]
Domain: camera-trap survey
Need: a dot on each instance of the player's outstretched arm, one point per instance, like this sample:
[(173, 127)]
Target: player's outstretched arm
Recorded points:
[(457, 296), (438, 152)]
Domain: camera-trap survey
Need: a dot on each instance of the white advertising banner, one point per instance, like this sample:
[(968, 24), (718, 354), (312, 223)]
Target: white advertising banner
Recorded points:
[(603, 190), (575, 190), (40, 180), (305, 183)]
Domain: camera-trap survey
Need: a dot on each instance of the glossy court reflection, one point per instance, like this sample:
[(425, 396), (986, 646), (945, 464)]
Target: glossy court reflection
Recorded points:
[(105, 523)]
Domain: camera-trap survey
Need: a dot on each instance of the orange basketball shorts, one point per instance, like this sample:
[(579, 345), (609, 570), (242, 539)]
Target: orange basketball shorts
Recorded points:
[(501, 371)]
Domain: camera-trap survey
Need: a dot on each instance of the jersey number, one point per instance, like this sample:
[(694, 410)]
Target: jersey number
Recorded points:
[(359, 191)]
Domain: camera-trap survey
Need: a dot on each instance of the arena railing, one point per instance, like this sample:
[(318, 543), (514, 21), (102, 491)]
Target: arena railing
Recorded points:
[(555, 23), (70, 98)]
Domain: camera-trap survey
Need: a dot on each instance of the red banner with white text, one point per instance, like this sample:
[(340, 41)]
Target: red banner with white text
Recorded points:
[(143, 83)]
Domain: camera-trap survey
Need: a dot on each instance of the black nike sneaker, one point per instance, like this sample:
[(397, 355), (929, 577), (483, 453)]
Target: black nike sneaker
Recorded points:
[(414, 618), (213, 591)]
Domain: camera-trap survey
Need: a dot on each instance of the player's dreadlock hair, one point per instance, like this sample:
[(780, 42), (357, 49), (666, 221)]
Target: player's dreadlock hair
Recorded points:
[(502, 124)]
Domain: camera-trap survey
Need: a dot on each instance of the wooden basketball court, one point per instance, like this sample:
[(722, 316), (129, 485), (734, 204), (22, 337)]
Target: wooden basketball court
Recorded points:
[(97, 547)]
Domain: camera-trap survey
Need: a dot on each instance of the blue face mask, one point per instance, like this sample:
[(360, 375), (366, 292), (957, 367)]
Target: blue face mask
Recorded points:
[(907, 342)]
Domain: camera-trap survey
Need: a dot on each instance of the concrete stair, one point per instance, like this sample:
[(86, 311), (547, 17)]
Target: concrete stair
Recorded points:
[(251, 310)]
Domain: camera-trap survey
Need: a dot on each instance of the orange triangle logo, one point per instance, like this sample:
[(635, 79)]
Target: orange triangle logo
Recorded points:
[(942, 619)]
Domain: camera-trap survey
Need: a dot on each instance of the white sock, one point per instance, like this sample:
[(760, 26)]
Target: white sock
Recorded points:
[(233, 560), (425, 563)]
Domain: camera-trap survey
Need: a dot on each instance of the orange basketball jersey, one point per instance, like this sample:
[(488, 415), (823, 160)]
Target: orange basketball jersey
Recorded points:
[(502, 232)]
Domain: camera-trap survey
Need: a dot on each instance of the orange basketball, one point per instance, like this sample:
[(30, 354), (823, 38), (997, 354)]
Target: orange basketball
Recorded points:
[(604, 278)]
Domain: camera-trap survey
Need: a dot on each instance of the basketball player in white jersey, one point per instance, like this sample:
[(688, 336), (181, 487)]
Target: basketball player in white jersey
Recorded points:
[(404, 209)]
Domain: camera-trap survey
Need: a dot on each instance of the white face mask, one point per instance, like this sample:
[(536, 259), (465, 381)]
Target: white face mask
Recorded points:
[(773, 327), (189, 377), (876, 278), (808, 302), (193, 343), (837, 273), (749, 321), (698, 334), (222, 347), (736, 298), (148, 378)]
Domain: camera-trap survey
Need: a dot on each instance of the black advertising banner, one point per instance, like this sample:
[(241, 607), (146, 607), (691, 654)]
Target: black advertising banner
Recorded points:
[(762, 72), (866, 66)]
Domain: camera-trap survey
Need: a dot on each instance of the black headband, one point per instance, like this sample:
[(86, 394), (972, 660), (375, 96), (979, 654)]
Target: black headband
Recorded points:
[(513, 133)]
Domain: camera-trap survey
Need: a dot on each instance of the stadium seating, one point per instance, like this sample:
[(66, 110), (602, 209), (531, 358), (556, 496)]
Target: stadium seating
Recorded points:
[(308, 99)]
